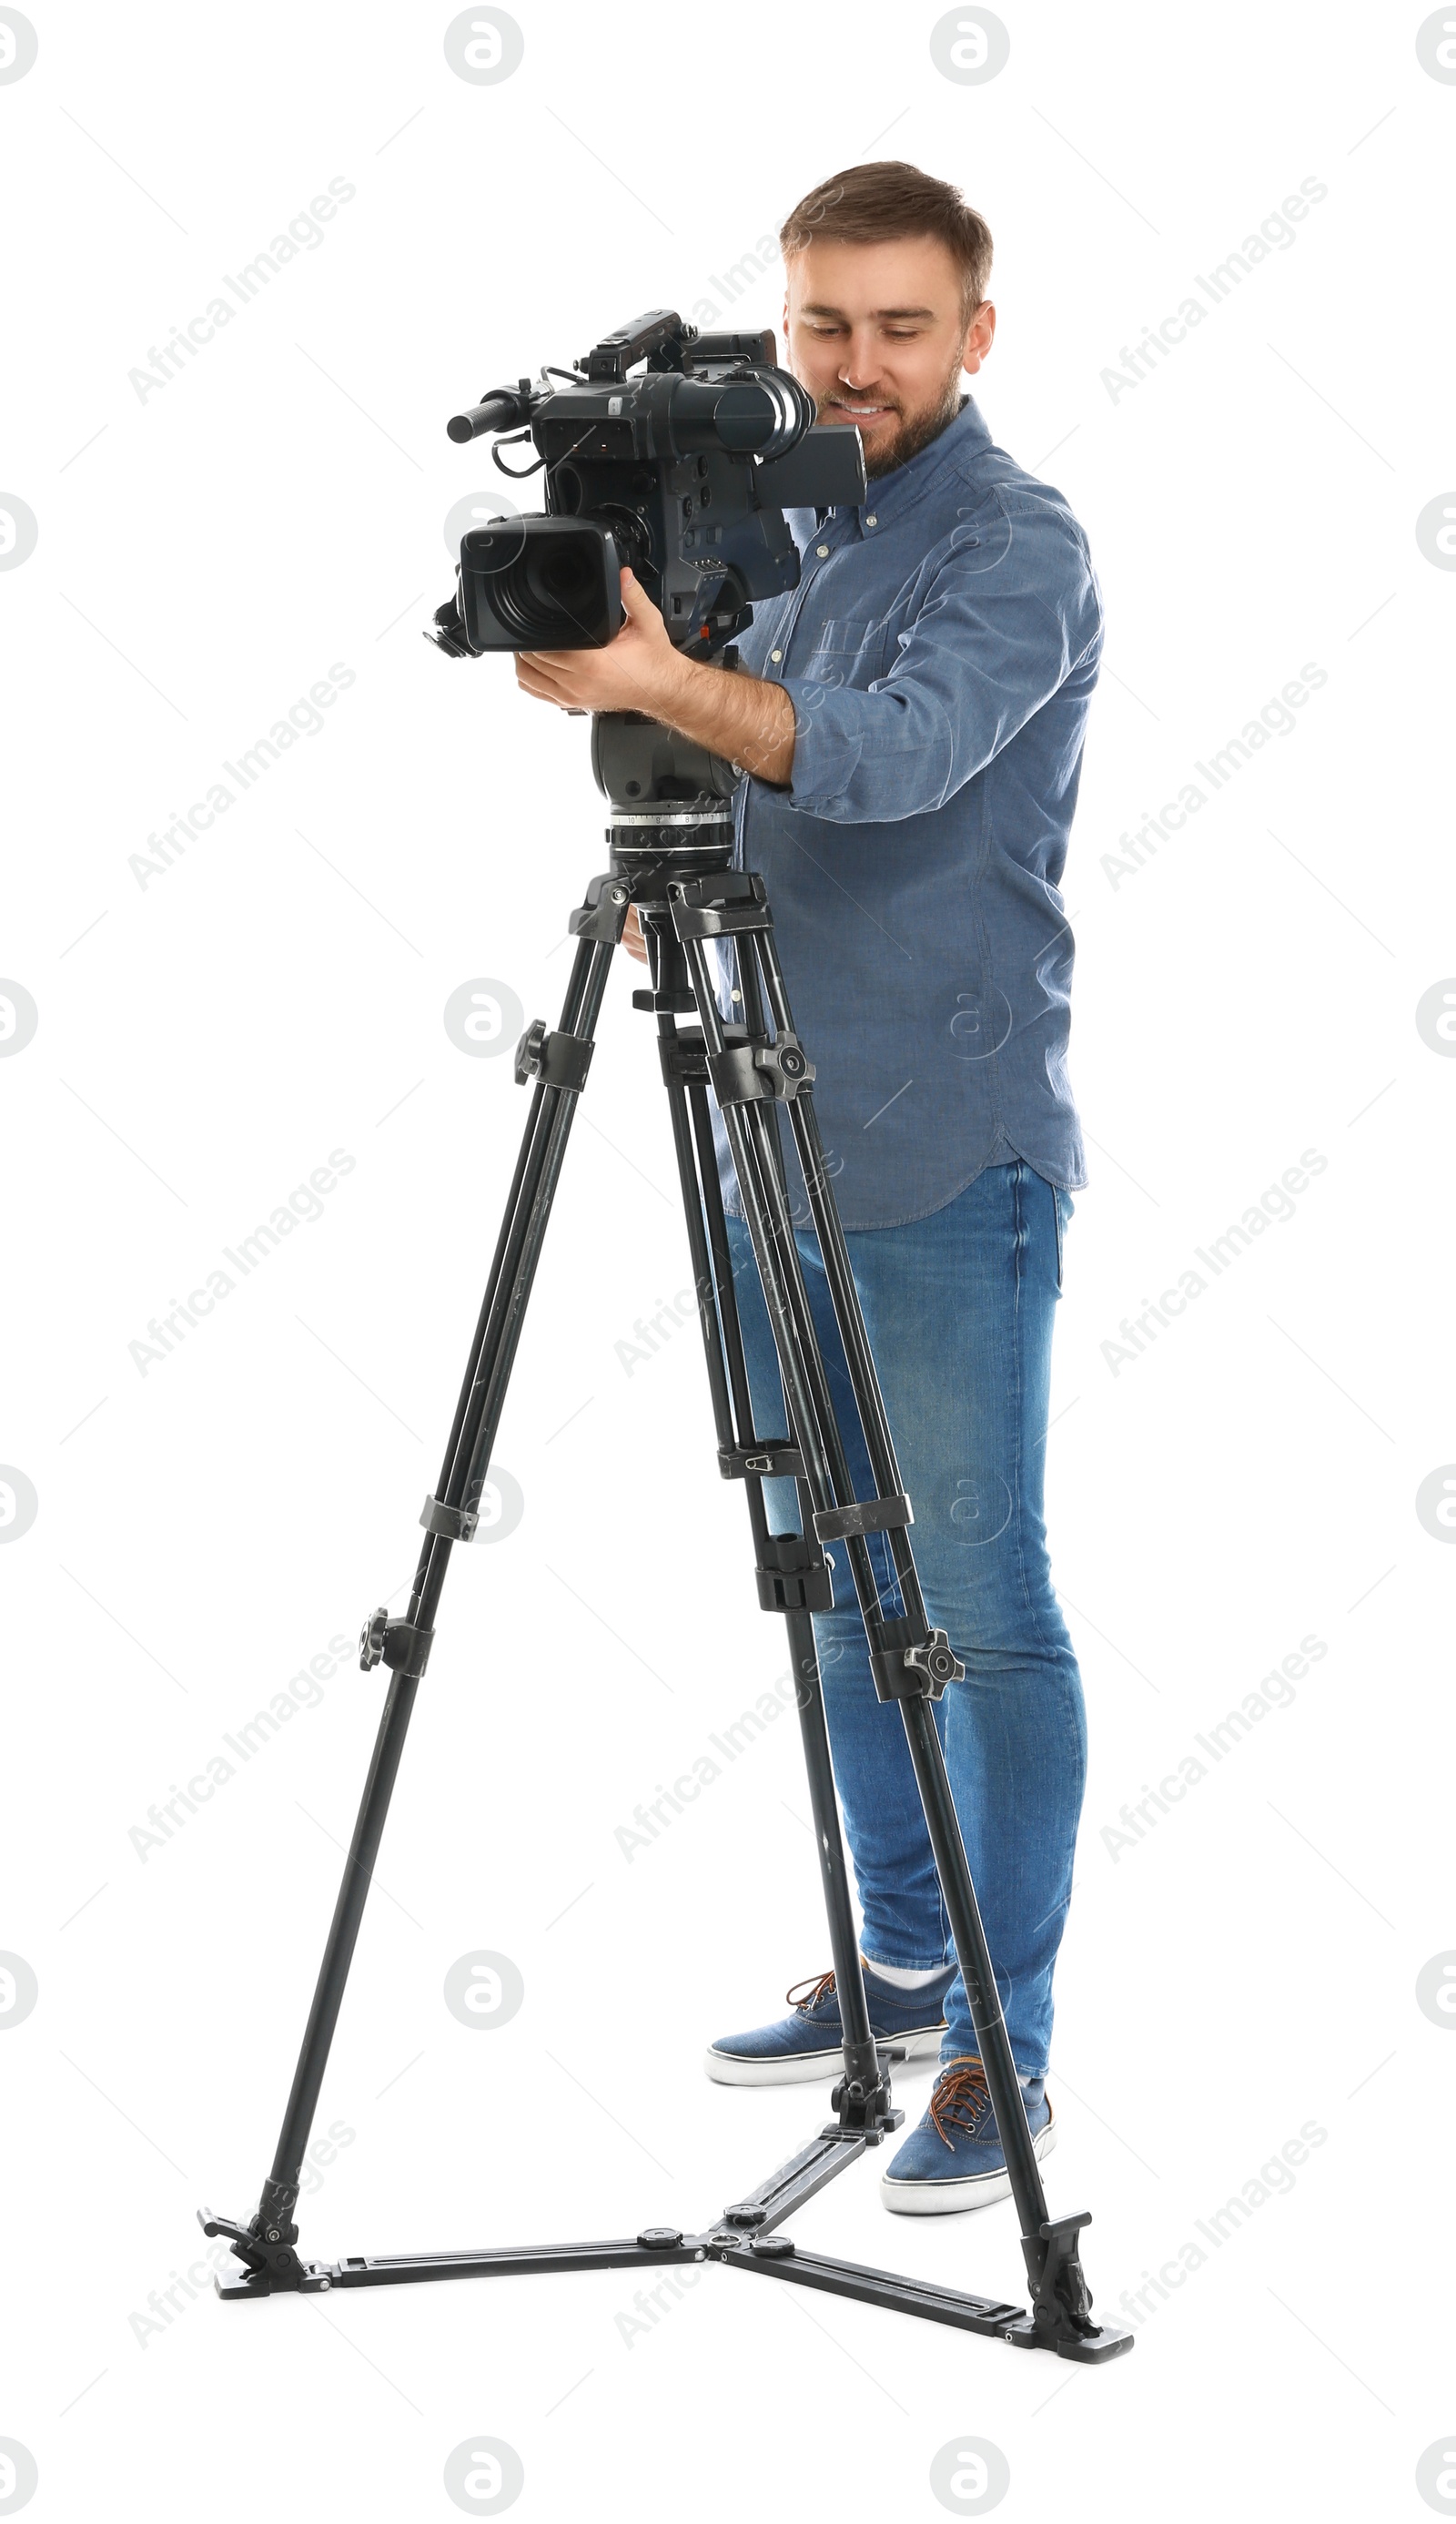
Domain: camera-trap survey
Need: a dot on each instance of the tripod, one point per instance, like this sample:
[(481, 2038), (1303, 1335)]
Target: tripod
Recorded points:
[(670, 847)]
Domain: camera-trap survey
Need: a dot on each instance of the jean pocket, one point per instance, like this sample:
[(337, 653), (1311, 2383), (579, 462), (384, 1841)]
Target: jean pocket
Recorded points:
[(1063, 1206)]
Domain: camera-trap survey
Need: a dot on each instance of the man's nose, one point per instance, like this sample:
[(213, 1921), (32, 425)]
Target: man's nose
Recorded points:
[(860, 368)]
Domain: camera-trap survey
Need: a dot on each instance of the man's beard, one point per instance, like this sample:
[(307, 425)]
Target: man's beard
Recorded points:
[(911, 435)]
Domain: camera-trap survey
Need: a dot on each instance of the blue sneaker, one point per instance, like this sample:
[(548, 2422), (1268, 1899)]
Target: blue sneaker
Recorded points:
[(807, 2043), (954, 2159)]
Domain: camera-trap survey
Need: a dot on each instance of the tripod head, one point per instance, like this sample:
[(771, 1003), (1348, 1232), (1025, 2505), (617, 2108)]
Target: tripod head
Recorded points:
[(671, 823)]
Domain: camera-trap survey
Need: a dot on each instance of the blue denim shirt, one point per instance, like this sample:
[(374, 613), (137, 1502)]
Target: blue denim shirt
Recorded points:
[(941, 649)]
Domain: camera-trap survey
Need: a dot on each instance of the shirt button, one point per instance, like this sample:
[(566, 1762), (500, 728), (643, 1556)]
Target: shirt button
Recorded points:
[(774, 655), (872, 522), (823, 551)]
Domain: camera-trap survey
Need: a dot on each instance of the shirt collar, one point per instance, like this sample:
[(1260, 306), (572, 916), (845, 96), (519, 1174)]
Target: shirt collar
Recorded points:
[(892, 494)]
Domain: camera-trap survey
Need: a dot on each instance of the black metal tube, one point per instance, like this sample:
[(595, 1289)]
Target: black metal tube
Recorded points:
[(758, 1125), (482, 1420), (724, 1292), (518, 1204), (844, 1294), (477, 1413), (974, 1956), (826, 1471), (338, 1952), (726, 1333), (861, 2059), (705, 1263), (755, 1162), (527, 1170)]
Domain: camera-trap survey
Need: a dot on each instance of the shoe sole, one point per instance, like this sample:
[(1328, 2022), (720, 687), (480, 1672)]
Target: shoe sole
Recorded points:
[(971, 2191), (727, 2068)]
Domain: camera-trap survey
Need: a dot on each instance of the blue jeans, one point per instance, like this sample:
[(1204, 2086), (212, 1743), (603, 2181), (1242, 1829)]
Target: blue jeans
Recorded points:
[(959, 1307)]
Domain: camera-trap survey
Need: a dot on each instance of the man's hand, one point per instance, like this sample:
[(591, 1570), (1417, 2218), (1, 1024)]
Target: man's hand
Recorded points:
[(638, 669), (633, 938), (747, 723)]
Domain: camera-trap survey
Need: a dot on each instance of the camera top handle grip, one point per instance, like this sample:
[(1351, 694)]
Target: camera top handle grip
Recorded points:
[(617, 352)]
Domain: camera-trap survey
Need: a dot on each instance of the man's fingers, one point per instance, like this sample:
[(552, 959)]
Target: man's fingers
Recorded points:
[(552, 662), (636, 601), (543, 688)]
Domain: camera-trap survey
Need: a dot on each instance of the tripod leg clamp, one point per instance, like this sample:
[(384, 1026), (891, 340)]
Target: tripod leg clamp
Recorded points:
[(754, 1073), (403, 1645), (555, 1060), (862, 1516), (718, 919), (794, 1576), (683, 1057), (456, 1523), (915, 1671), (774, 1460)]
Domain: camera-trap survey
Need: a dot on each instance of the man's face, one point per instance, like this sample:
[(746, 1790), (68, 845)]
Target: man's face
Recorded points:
[(879, 336)]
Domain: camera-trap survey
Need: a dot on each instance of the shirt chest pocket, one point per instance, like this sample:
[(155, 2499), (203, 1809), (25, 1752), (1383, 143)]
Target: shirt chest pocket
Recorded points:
[(847, 654)]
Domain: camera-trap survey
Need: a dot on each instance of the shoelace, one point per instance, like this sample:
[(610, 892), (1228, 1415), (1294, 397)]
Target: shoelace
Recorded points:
[(959, 2095), (818, 1989)]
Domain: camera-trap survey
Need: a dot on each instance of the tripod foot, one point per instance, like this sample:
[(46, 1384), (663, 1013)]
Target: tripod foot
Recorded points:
[(1060, 2319), (1091, 2348), (865, 2111), (271, 2265)]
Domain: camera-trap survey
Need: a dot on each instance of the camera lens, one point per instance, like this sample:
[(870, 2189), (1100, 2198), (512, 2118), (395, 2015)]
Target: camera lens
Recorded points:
[(558, 577), (551, 587)]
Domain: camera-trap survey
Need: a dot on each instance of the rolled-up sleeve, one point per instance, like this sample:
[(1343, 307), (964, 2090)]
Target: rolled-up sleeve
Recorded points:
[(1009, 612)]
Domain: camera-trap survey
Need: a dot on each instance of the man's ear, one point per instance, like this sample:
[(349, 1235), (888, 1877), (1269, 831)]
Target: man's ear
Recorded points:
[(980, 335)]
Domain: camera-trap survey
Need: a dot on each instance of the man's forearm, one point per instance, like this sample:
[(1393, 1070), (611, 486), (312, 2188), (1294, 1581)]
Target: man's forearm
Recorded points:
[(750, 723), (747, 723)]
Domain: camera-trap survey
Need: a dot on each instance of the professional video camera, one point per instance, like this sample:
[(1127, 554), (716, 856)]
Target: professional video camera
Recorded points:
[(681, 474)]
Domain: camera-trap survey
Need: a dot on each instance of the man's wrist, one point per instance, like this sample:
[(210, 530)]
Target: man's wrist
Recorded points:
[(675, 681)]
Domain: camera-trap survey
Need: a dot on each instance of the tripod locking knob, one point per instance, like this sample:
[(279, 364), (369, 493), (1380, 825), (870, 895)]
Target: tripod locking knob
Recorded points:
[(937, 1659), (404, 1646), (528, 1051), (787, 1063), (554, 1058)]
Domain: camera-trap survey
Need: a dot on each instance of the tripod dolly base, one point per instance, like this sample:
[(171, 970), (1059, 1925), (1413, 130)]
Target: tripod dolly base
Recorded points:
[(745, 2237)]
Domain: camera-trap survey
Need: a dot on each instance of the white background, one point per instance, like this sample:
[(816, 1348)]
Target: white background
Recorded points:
[(204, 1040)]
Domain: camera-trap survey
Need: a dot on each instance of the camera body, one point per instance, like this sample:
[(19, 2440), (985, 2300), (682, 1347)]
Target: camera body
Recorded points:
[(682, 473)]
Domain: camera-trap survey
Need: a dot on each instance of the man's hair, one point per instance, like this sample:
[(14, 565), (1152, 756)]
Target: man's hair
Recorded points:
[(888, 198)]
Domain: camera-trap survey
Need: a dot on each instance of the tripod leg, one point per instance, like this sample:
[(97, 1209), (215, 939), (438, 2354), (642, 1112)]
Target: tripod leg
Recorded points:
[(910, 1662), (558, 1062), (791, 1571), (926, 1754)]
